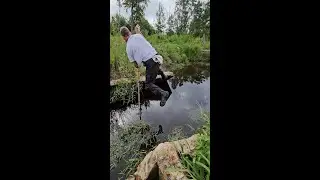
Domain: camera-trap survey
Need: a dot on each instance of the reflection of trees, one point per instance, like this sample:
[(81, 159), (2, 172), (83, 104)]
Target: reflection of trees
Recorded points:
[(196, 73)]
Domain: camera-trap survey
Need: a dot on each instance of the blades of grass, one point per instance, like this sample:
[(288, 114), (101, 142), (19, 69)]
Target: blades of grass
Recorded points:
[(193, 177), (188, 163), (192, 129), (207, 160), (204, 166), (192, 169), (201, 172), (132, 160)]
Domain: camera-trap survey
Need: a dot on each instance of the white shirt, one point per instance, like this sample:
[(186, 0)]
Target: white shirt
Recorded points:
[(139, 49)]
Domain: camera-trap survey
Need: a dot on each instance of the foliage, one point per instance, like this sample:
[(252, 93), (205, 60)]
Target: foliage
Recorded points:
[(196, 25), (170, 22), (176, 134), (160, 25), (136, 7), (125, 145), (182, 13), (190, 17), (146, 27), (124, 92), (117, 21)]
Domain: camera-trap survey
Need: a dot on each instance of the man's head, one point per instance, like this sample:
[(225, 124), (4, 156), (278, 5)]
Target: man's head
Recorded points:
[(125, 33)]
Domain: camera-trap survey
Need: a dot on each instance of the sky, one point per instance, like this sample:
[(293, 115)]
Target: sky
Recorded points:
[(150, 11)]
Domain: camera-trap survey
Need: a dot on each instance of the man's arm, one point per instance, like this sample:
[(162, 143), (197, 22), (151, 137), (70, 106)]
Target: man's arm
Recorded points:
[(135, 64), (130, 57)]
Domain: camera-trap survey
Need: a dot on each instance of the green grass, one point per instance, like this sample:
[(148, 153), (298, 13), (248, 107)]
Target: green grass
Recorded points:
[(125, 144), (124, 92), (198, 165)]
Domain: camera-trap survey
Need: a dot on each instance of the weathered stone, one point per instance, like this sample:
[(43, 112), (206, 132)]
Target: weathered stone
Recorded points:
[(186, 146), (164, 161)]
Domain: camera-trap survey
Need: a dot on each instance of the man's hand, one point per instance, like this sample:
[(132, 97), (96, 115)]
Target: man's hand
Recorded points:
[(137, 29)]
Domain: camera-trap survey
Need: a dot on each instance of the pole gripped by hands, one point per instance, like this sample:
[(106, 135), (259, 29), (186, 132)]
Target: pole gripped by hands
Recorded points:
[(138, 84)]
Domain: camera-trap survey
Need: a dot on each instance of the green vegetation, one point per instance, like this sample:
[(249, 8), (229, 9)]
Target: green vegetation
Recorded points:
[(198, 165), (124, 92), (125, 145)]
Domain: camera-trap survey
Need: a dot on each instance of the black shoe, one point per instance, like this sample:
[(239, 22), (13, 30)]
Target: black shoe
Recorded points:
[(164, 98)]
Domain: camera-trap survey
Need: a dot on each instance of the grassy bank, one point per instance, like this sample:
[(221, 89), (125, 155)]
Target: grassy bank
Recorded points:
[(175, 49), (125, 146), (198, 165)]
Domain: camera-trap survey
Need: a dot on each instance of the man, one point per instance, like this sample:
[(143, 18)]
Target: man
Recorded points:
[(140, 51)]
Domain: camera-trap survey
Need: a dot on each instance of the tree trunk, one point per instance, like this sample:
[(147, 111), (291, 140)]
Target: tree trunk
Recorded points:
[(132, 23)]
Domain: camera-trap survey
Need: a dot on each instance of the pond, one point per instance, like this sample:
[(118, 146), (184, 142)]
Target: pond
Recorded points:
[(190, 90)]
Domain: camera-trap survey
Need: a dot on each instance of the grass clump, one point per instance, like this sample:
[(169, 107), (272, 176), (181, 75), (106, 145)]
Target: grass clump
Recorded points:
[(124, 92), (198, 165), (125, 146), (176, 134)]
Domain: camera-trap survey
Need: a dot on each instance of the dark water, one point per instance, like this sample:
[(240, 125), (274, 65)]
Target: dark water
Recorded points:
[(190, 88)]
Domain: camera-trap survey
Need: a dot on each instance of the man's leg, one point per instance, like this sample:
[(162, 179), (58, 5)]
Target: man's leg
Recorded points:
[(163, 76), (152, 70)]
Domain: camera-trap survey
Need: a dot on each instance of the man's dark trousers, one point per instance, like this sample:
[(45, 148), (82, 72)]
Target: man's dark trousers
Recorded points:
[(152, 70)]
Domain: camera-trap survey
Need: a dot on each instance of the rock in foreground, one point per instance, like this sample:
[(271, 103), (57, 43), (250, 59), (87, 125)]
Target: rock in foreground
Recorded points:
[(161, 162)]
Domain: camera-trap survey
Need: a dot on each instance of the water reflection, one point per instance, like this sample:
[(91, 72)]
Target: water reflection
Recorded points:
[(195, 73), (194, 86)]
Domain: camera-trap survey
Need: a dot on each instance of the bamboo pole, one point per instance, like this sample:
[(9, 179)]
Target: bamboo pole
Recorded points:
[(138, 84)]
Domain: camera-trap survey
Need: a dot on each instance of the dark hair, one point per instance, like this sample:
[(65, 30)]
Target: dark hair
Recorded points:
[(124, 31)]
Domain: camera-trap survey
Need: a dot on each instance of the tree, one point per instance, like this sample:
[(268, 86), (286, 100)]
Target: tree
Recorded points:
[(160, 24), (119, 3), (113, 26), (206, 18), (182, 15), (116, 22), (137, 7), (121, 20), (146, 27), (197, 23), (170, 22)]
